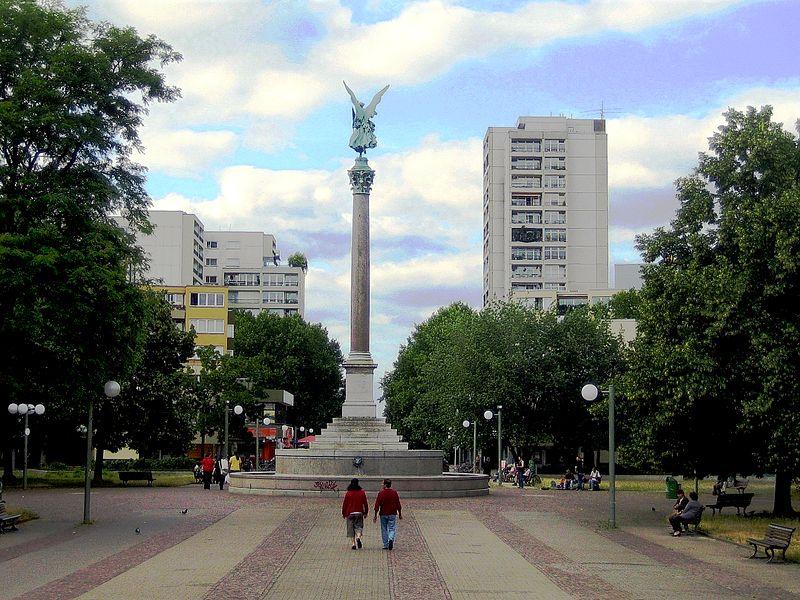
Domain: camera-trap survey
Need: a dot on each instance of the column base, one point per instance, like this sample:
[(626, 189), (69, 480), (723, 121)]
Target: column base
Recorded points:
[(359, 402)]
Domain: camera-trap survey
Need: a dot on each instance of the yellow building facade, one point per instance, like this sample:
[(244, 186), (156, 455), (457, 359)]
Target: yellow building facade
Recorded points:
[(206, 309)]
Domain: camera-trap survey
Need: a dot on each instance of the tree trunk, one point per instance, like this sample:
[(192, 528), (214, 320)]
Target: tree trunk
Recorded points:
[(98, 464), (782, 506), (202, 445), (8, 471)]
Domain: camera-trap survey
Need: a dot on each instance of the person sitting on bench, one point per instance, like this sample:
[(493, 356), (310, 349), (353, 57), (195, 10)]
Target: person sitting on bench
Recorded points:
[(688, 514), (680, 503), (594, 479)]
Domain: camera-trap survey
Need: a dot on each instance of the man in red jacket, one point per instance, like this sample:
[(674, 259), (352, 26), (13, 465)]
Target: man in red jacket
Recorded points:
[(387, 504), (208, 469)]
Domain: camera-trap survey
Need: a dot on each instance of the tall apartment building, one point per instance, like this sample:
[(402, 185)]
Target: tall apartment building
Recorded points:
[(246, 262), (545, 209), (175, 248)]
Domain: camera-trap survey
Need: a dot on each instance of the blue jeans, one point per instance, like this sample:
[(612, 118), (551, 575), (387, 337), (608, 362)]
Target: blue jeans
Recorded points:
[(388, 528)]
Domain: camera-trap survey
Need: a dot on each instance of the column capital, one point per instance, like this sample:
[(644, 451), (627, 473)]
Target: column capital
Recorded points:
[(361, 176)]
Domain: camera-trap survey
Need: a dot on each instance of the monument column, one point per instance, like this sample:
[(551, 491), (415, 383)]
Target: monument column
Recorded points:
[(359, 366)]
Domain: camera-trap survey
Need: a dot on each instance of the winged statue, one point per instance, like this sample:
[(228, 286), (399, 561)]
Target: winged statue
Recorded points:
[(363, 135)]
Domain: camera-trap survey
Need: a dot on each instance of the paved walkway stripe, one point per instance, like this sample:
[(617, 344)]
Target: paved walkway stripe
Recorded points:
[(474, 561), (27, 547), (560, 569), (324, 566), (86, 579), (413, 573), (257, 572), (189, 569)]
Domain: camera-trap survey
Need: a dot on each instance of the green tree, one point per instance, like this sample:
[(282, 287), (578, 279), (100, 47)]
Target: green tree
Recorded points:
[(72, 96), (713, 380), (157, 396), (625, 305), (298, 259)]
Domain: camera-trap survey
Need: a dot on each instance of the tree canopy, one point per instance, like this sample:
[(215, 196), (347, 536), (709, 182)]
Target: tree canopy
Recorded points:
[(712, 386)]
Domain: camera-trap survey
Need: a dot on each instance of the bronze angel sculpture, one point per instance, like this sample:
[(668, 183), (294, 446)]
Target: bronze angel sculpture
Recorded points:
[(363, 135)]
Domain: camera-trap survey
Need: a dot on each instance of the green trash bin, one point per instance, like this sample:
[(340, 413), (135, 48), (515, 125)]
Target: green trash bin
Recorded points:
[(672, 488)]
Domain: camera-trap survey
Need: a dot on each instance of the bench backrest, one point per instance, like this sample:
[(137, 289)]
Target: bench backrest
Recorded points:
[(780, 532), (2, 507), (136, 474), (734, 499)]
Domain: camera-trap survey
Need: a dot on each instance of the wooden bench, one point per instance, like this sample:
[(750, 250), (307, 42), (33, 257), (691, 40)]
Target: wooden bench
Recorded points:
[(777, 537), (695, 521), (126, 476), (738, 501), (7, 521)]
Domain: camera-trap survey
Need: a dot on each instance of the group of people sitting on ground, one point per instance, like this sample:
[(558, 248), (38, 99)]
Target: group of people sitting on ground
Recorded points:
[(684, 511), (355, 507), (578, 481)]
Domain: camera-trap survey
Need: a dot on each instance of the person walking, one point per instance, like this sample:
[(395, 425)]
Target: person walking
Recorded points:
[(387, 505), (354, 509), (222, 467), (207, 465), (520, 466)]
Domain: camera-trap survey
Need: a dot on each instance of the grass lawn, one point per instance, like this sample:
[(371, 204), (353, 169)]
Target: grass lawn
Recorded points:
[(737, 529), (74, 478)]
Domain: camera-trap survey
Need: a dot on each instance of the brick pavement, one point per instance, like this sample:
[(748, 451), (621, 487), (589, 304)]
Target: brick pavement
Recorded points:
[(511, 544)]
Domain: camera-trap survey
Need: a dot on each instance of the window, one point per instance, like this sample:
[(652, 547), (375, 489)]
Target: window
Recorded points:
[(272, 297), (555, 182), (523, 234), (243, 279), (233, 245), (518, 216), (520, 145), (207, 325), (211, 262), (233, 297), (231, 330), (555, 235), (555, 253), (532, 200), (207, 299), (526, 271), (276, 311), (555, 199), (527, 163), (555, 271), (554, 146), (291, 297), (523, 287), (555, 163), (525, 181), (211, 279), (175, 299), (211, 244), (292, 280), (553, 285), (525, 253), (556, 217), (292, 311), (274, 279), (601, 299), (565, 304)]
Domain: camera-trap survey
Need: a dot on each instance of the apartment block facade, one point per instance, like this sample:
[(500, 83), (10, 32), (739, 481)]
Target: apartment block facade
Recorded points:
[(545, 209), (207, 310), (247, 263)]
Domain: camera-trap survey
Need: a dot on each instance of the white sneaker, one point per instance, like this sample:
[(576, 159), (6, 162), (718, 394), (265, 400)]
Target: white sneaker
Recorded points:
[(676, 534)]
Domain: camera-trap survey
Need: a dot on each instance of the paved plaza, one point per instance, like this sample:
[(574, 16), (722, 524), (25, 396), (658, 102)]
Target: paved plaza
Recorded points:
[(512, 544)]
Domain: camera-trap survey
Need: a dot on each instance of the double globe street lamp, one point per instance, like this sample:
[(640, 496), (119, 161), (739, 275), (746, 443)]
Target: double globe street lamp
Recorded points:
[(25, 410)]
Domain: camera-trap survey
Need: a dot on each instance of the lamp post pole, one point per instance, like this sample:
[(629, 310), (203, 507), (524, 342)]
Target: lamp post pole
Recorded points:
[(110, 389), (227, 410), (612, 459), (474, 444), (499, 442)]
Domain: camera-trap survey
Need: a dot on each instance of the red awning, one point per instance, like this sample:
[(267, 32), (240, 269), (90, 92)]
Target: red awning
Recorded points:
[(307, 439)]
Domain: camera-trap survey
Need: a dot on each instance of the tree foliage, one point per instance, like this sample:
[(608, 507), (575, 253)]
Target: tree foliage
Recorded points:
[(532, 362), (72, 96), (713, 380), (298, 259)]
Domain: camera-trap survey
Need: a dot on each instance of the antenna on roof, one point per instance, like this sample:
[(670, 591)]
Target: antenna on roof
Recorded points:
[(602, 110)]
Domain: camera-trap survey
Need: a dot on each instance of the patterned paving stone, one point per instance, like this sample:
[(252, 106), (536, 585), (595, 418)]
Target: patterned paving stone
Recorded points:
[(413, 572)]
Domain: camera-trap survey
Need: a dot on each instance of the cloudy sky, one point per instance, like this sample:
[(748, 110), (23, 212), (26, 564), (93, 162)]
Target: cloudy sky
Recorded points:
[(259, 139)]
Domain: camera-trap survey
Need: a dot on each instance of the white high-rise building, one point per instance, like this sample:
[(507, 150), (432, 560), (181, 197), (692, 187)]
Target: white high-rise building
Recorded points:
[(545, 209), (247, 263), (174, 249)]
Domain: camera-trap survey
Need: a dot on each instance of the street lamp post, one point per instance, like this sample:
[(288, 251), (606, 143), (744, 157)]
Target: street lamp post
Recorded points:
[(111, 389), (590, 392), (466, 424), (488, 415), (25, 409), (227, 410)]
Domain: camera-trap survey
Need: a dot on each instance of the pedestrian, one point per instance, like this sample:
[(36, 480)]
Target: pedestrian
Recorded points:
[(579, 470), (235, 464), (354, 509), (521, 473), (221, 469), (387, 505), (208, 471)]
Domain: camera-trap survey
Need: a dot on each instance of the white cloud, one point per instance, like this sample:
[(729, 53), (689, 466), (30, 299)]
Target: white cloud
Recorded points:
[(185, 153), (654, 151)]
